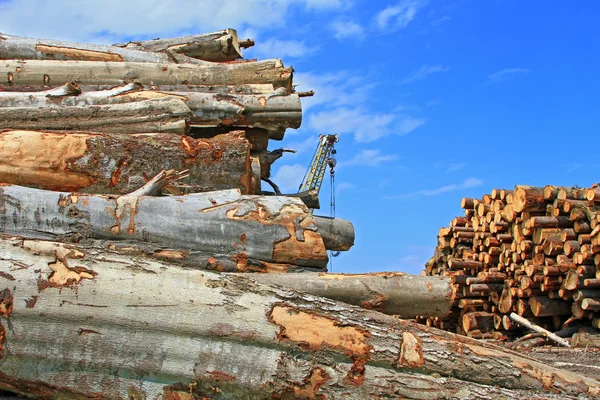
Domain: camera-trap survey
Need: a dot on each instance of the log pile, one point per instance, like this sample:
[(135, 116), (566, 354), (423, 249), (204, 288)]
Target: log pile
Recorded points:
[(532, 251)]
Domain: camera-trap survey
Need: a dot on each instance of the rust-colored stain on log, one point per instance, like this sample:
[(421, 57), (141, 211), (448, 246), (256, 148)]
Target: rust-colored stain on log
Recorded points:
[(79, 54), (376, 302), (6, 303), (308, 389), (411, 351), (220, 376), (6, 275), (52, 248), (64, 276), (35, 162), (350, 276), (172, 254), (241, 261), (173, 394), (30, 303), (2, 341), (315, 332)]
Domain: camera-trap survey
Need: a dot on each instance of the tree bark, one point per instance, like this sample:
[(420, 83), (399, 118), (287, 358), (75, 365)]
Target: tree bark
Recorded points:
[(394, 293), (118, 164), (104, 325), (217, 46), (221, 230), (155, 115), (35, 72), (270, 112)]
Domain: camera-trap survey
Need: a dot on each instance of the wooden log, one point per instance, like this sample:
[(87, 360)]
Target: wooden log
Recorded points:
[(584, 339), (119, 73), (542, 306), (213, 230), (396, 293), (144, 323), (527, 324), (482, 321), (592, 194), (337, 233), (528, 198), (216, 46), (119, 164), (156, 115), (274, 113), (592, 304)]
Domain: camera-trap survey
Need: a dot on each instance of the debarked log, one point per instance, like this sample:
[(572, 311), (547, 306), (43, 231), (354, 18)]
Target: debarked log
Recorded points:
[(119, 164), (36, 72), (216, 46), (22, 48), (394, 293), (155, 115), (109, 326), (215, 225), (209, 109)]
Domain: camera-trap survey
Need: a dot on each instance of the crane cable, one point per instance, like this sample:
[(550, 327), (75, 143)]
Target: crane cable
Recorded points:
[(332, 207)]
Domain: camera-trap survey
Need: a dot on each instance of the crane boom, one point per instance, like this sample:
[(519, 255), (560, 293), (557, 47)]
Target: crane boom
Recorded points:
[(316, 170)]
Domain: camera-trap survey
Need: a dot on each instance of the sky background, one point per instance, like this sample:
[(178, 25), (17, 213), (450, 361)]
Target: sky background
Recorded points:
[(433, 100)]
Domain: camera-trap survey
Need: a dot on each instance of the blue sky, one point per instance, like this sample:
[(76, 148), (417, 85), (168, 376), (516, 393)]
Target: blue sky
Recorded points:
[(433, 100)]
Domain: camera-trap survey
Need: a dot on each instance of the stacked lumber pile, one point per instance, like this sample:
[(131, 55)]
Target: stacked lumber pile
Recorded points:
[(531, 251)]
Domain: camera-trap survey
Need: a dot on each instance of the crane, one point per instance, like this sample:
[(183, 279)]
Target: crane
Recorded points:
[(322, 158)]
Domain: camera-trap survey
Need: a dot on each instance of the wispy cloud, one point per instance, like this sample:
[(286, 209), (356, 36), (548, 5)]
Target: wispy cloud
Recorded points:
[(573, 167), (397, 17), (508, 72), (369, 158), (449, 167), (343, 29), (466, 184), (340, 187), (422, 73), (274, 48), (289, 177)]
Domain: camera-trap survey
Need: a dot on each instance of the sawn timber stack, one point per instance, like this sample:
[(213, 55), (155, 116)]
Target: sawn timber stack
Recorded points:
[(533, 251)]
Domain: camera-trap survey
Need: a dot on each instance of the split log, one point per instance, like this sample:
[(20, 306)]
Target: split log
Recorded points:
[(217, 46), (35, 72), (395, 293), (119, 164), (155, 115), (215, 230), (15, 47), (102, 324), (275, 113)]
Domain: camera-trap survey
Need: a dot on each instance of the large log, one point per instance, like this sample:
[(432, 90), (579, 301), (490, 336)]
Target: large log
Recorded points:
[(155, 115), (15, 47), (395, 293), (213, 230), (36, 72), (119, 164), (275, 113), (103, 325), (216, 46)]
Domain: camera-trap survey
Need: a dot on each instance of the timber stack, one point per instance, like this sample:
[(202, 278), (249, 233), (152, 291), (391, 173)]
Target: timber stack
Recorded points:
[(530, 251), (130, 186)]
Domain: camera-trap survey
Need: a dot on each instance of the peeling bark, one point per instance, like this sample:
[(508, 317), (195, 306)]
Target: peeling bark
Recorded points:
[(217, 46), (155, 115), (133, 331), (395, 293), (36, 72), (118, 164), (208, 109), (221, 230)]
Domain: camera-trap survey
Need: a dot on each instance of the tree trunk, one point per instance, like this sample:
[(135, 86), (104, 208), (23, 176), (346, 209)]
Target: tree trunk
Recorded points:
[(215, 230), (104, 325), (209, 109), (119, 164), (35, 72), (155, 115), (217, 46), (394, 293)]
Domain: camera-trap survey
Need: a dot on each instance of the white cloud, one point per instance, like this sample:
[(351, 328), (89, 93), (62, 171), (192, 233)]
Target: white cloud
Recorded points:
[(449, 167), (274, 48), (505, 73), (347, 29), (466, 184), (366, 126), (344, 186), (422, 73), (399, 16), (369, 158), (87, 20), (289, 177)]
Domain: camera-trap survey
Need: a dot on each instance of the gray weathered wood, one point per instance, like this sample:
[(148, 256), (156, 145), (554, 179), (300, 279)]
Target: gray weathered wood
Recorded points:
[(216, 46), (118, 164), (231, 232), (395, 293), (37, 72), (83, 324), (154, 115)]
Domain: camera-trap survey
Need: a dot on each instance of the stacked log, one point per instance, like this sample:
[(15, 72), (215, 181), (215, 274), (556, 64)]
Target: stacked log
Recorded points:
[(533, 251)]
